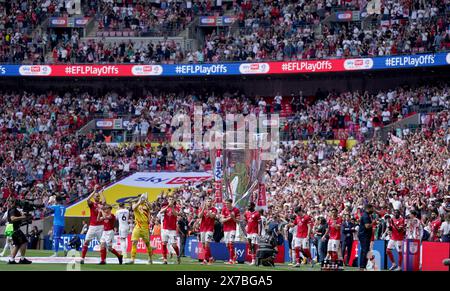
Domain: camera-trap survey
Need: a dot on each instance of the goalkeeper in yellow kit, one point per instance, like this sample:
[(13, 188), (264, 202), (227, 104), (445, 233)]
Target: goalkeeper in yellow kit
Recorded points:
[(141, 211)]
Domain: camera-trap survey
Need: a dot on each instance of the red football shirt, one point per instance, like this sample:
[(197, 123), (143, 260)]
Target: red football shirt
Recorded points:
[(108, 223), (94, 209), (170, 220), (335, 233), (396, 225), (302, 223), (207, 223), (230, 225), (253, 219)]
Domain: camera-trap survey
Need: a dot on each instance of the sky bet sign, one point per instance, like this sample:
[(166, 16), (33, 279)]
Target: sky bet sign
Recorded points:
[(177, 180), (165, 179)]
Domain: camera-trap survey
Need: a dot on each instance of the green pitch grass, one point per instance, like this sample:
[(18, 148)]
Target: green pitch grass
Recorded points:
[(187, 264)]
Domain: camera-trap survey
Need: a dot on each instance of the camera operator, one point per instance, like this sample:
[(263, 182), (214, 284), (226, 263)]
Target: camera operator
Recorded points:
[(19, 239)]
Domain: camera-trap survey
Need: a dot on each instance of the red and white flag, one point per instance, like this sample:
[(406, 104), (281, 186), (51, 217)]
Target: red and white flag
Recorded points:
[(343, 181), (397, 140)]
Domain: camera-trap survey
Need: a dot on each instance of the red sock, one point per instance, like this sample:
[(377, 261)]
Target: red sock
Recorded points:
[(231, 250), (207, 253), (84, 251), (177, 251), (334, 256), (391, 256), (297, 255), (114, 252), (307, 253), (103, 254), (164, 251), (400, 259)]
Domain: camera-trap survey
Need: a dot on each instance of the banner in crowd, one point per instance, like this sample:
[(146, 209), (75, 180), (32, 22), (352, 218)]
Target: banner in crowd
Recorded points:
[(218, 173), (68, 21), (348, 16), (262, 200), (228, 69), (216, 20), (109, 123), (152, 183)]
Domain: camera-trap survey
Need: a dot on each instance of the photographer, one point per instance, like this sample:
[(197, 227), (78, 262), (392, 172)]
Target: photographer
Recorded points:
[(18, 237)]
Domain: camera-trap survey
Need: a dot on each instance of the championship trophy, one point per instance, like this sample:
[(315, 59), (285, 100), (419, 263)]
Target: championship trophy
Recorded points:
[(238, 174)]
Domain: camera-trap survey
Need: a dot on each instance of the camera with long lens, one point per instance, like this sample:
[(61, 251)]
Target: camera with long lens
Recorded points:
[(27, 207)]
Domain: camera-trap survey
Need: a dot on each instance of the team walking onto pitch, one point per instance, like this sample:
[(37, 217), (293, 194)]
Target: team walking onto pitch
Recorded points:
[(102, 224), (102, 228)]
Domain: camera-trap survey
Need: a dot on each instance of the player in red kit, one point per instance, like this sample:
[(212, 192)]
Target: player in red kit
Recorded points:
[(207, 215), (230, 219), (435, 225), (301, 240), (108, 219), (169, 228), (95, 229), (334, 230), (397, 235), (253, 228)]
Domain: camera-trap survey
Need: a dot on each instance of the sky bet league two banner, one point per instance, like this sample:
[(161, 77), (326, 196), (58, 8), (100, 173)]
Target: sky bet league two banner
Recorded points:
[(228, 69)]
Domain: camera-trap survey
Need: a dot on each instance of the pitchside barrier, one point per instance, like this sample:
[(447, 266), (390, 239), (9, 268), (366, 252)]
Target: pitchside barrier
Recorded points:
[(428, 255)]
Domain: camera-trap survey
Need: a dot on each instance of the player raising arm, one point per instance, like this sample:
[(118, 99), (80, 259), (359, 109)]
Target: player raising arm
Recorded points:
[(95, 229), (169, 228), (230, 218), (108, 219), (141, 211)]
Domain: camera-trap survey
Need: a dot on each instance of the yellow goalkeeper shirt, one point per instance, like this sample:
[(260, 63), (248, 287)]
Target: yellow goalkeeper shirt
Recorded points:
[(141, 214)]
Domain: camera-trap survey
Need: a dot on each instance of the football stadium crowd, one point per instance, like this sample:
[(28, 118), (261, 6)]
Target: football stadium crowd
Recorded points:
[(273, 31), (264, 30), (43, 150)]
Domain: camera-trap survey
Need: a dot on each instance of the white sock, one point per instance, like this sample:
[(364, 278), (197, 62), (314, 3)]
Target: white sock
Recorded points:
[(123, 246)]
